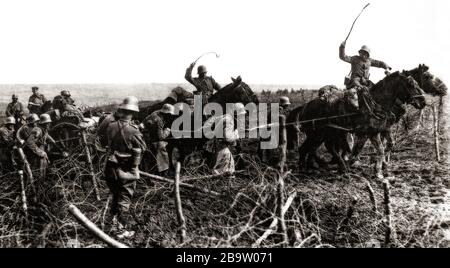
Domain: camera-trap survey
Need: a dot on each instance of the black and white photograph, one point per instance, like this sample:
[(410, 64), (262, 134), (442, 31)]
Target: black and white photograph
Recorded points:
[(259, 125)]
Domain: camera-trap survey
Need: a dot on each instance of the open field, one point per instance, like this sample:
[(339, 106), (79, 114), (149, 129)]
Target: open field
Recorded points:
[(327, 210)]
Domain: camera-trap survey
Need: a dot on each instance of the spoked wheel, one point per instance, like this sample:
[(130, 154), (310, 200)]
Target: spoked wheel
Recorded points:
[(68, 137)]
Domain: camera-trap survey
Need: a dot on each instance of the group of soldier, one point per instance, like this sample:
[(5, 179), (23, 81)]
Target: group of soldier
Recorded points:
[(126, 141)]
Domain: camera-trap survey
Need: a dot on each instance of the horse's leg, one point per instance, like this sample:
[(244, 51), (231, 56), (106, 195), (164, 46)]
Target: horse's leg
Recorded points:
[(338, 158), (303, 151), (360, 141), (315, 142), (389, 145), (376, 142)]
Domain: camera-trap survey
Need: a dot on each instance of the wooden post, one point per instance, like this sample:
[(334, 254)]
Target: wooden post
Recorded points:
[(387, 209), (178, 204), (282, 144), (23, 194), (280, 189), (436, 133), (91, 167)]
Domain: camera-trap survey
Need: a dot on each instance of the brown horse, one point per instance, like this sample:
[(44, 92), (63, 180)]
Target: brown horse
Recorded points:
[(377, 117)]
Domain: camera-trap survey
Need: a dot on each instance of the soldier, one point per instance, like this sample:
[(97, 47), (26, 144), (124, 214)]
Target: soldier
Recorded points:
[(359, 75), (205, 85), (63, 102), (16, 110), (225, 125), (6, 144), (157, 130), (285, 103), (125, 148), (24, 132), (36, 145), (36, 101)]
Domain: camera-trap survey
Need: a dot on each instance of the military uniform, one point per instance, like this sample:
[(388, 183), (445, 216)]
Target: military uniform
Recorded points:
[(35, 103), (360, 74), (204, 85), (15, 110), (222, 126), (156, 131), (125, 144), (62, 103), (24, 132), (6, 148), (35, 149)]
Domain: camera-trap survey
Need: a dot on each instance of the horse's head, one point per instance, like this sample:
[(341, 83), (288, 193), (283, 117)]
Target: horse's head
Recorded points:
[(412, 93), (428, 82), (235, 92)]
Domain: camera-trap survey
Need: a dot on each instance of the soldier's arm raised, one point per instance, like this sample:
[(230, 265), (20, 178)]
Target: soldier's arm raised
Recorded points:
[(342, 54), (188, 75)]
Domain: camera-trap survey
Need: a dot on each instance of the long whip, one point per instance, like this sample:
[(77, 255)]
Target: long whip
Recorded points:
[(351, 29), (217, 56)]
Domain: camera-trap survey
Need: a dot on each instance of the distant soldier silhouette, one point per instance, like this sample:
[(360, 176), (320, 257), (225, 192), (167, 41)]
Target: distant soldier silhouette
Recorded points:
[(15, 109), (6, 145)]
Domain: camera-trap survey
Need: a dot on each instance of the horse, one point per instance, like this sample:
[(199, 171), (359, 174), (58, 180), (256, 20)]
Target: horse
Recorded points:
[(177, 95), (430, 84), (235, 92), (378, 102)]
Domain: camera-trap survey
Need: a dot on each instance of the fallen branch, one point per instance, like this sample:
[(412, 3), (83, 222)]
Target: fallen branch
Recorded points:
[(184, 185), (94, 229), (372, 197), (273, 226), (209, 177), (181, 219)]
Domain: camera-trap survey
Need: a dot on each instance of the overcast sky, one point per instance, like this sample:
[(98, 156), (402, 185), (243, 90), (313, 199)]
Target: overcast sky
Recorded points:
[(266, 42)]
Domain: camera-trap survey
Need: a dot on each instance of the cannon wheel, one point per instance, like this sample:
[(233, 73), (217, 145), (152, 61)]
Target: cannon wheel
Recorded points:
[(68, 136)]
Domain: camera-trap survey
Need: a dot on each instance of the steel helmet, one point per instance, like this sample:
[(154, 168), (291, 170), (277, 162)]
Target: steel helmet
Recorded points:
[(168, 109), (365, 49), (130, 103), (10, 121), (285, 101), (34, 88), (240, 109), (65, 93), (45, 118), (15, 97), (33, 118), (201, 69)]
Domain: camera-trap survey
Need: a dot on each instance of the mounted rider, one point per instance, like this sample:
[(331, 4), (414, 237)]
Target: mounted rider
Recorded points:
[(205, 85), (36, 101), (360, 67), (66, 105), (125, 148)]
